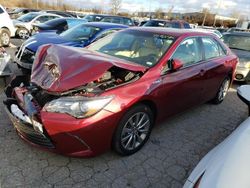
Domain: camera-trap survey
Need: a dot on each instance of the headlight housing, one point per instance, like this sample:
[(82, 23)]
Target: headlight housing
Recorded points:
[(78, 106), (244, 63), (247, 65)]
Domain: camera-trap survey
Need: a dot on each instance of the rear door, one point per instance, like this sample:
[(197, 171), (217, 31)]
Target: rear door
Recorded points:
[(216, 69), (182, 89)]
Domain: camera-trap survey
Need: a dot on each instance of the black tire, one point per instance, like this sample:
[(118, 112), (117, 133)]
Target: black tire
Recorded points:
[(4, 37), (22, 33), (145, 114), (222, 92)]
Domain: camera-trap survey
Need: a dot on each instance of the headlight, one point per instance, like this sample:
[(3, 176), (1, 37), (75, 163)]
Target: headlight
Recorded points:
[(247, 65), (78, 106)]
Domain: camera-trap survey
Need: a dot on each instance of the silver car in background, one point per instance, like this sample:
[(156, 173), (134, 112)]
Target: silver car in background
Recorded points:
[(239, 43)]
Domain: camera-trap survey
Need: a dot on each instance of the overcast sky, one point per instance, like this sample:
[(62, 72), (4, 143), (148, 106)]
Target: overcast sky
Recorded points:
[(225, 7)]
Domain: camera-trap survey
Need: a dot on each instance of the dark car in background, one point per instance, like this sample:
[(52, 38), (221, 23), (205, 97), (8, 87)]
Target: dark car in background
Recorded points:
[(94, 17), (56, 25), (239, 43), (118, 20), (81, 102), (110, 19), (167, 23), (78, 36)]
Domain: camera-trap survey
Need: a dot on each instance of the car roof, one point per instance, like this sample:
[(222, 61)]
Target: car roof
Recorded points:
[(238, 33), (105, 25), (161, 20), (171, 31), (108, 15)]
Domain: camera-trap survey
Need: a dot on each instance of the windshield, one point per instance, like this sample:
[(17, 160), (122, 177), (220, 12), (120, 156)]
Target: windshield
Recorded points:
[(144, 48), (237, 42), (80, 33), (27, 17)]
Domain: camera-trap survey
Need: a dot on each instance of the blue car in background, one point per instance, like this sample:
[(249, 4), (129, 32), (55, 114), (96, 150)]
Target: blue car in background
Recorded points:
[(79, 36), (58, 25)]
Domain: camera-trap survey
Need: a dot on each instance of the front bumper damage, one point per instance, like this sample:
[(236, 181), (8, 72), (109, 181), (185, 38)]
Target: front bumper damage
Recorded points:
[(24, 57), (54, 132)]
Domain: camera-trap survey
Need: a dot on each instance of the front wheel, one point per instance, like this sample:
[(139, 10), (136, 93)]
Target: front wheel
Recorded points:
[(133, 130), (22, 33), (222, 92)]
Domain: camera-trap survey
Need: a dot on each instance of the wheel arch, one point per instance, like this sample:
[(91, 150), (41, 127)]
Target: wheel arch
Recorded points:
[(151, 104)]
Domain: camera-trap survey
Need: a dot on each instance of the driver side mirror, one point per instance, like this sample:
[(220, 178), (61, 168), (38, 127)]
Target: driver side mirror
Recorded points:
[(174, 64)]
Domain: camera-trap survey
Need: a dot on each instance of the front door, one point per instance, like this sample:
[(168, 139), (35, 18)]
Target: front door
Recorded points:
[(182, 89)]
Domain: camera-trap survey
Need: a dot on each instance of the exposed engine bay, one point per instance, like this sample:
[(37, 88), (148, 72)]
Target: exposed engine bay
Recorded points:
[(112, 78)]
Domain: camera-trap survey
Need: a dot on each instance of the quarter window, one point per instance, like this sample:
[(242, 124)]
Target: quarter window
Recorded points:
[(212, 48), (188, 52)]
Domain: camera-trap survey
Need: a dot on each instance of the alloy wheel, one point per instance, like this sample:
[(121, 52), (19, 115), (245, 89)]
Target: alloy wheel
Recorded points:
[(223, 89), (5, 39), (135, 131), (23, 33)]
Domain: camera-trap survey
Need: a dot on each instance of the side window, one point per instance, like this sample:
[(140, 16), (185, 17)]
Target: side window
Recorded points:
[(176, 25), (52, 17), (62, 26), (186, 26), (188, 52), (1, 10), (42, 19), (127, 21), (106, 20), (117, 20), (212, 48), (98, 18)]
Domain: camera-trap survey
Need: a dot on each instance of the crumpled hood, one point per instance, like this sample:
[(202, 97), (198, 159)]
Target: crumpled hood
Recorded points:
[(48, 38), (228, 164), (76, 67), (243, 55)]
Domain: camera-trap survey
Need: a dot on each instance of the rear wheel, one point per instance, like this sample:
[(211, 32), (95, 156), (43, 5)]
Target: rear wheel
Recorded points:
[(222, 92), (4, 37), (133, 130)]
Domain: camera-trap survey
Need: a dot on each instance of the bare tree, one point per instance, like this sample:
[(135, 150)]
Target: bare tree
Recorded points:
[(159, 13), (115, 6)]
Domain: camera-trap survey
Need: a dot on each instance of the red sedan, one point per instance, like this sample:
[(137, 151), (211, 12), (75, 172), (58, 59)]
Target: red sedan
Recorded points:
[(81, 102)]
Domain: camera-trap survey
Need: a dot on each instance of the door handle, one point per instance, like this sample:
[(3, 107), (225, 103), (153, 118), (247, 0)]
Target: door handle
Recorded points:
[(202, 72)]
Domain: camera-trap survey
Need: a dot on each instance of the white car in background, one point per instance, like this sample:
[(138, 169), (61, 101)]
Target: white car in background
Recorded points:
[(24, 23), (228, 164), (7, 29)]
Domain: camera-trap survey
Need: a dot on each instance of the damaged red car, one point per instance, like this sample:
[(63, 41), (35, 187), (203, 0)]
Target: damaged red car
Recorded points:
[(82, 102)]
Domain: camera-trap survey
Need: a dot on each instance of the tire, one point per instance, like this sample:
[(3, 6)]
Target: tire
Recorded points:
[(4, 37), (222, 92), (130, 136), (22, 33)]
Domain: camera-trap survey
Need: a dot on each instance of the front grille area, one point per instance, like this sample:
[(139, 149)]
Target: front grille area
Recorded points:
[(27, 56), (26, 129)]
